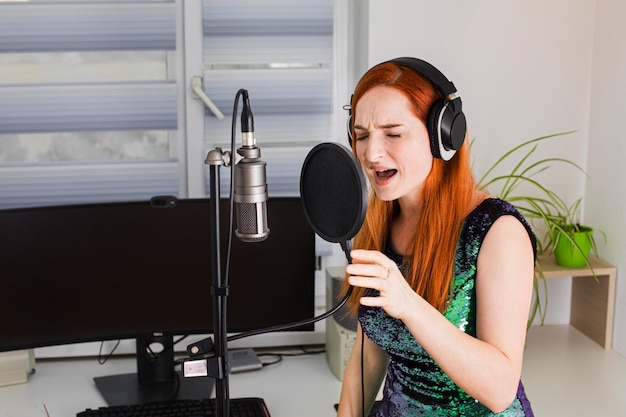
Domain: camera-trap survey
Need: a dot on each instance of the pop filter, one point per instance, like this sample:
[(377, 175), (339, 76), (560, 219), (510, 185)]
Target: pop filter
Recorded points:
[(334, 193), (334, 196)]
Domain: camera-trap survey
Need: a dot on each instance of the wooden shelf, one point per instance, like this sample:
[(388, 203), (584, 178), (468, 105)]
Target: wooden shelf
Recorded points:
[(593, 296)]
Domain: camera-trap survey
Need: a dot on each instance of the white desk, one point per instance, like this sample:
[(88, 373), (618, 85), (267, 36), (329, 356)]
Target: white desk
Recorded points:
[(297, 386)]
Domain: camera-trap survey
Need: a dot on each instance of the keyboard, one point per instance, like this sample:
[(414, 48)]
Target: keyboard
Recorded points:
[(239, 407)]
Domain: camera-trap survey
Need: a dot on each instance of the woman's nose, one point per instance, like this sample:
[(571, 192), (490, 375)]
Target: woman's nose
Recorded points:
[(374, 149)]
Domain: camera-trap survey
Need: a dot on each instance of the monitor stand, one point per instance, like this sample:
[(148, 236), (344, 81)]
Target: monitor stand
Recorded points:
[(125, 389), (155, 380)]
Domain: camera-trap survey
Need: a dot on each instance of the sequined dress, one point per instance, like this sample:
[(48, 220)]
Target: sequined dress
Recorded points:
[(414, 384)]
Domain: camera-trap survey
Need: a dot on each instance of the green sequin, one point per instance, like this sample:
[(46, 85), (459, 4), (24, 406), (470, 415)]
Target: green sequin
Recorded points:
[(415, 385)]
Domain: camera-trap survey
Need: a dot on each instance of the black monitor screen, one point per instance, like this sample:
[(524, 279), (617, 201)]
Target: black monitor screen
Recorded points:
[(118, 270)]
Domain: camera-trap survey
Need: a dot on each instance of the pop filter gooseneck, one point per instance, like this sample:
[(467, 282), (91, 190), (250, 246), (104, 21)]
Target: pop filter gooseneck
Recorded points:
[(334, 196)]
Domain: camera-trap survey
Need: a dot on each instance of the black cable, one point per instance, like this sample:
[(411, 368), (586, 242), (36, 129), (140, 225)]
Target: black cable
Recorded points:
[(226, 270), (103, 359), (294, 325), (281, 355), (362, 374), (278, 356), (231, 200)]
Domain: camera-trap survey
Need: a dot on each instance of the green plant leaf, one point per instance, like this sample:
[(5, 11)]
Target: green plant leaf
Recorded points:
[(540, 203)]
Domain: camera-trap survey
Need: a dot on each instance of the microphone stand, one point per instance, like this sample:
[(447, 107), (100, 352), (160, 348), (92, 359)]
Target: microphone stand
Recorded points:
[(219, 368)]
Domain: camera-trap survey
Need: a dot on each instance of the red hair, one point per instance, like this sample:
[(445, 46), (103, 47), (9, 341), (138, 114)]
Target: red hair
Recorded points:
[(445, 197)]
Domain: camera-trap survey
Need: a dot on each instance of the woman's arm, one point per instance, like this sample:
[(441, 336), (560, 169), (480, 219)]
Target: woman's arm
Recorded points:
[(374, 368), (487, 367)]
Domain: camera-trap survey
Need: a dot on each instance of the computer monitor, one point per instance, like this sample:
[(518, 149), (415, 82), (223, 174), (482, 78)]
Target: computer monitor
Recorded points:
[(107, 271)]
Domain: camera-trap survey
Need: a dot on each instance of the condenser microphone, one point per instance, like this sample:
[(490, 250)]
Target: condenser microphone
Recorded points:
[(250, 193)]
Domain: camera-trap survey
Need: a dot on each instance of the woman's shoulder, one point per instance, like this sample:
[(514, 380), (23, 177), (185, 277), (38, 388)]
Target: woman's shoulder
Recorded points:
[(491, 209), (495, 207)]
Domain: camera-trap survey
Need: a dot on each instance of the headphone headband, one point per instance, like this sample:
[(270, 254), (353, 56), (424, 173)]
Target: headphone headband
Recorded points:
[(445, 86)]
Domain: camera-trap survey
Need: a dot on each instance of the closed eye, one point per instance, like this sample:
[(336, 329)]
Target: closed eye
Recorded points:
[(361, 134)]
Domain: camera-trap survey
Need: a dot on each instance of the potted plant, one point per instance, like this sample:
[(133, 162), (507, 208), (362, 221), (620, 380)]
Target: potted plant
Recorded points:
[(563, 232), (572, 241)]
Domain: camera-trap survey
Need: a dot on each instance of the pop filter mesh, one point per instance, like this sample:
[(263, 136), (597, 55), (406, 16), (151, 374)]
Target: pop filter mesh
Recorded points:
[(333, 191)]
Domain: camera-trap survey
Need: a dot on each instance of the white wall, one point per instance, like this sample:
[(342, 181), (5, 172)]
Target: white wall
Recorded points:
[(605, 193), (524, 69)]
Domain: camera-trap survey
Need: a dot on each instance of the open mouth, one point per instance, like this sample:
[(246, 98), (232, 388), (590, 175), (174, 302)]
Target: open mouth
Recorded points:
[(386, 174)]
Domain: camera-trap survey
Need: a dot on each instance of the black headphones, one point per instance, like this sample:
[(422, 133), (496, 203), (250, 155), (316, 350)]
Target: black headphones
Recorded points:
[(446, 122)]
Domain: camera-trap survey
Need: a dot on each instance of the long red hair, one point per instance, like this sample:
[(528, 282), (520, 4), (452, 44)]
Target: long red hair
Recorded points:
[(445, 197)]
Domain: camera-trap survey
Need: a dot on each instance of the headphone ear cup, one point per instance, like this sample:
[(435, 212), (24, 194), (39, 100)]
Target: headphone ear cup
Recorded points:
[(433, 128), (446, 128), (453, 125), (349, 129)]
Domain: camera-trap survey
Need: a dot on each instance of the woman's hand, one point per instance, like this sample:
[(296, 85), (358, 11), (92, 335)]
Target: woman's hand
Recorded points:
[(372, 269)]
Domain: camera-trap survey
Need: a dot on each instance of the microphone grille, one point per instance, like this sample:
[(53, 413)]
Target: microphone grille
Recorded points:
[(252, 222)]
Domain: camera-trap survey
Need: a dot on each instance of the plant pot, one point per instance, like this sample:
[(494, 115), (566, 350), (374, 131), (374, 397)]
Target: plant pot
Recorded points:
[(573, 255)]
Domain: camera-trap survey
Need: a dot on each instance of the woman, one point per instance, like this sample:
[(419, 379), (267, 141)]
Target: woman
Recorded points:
[(442, 272)]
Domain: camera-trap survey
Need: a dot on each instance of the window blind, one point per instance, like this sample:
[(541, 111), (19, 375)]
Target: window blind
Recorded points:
[(65, 183), (281, 51), (86, 107), (86, 26), (100, 105)]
